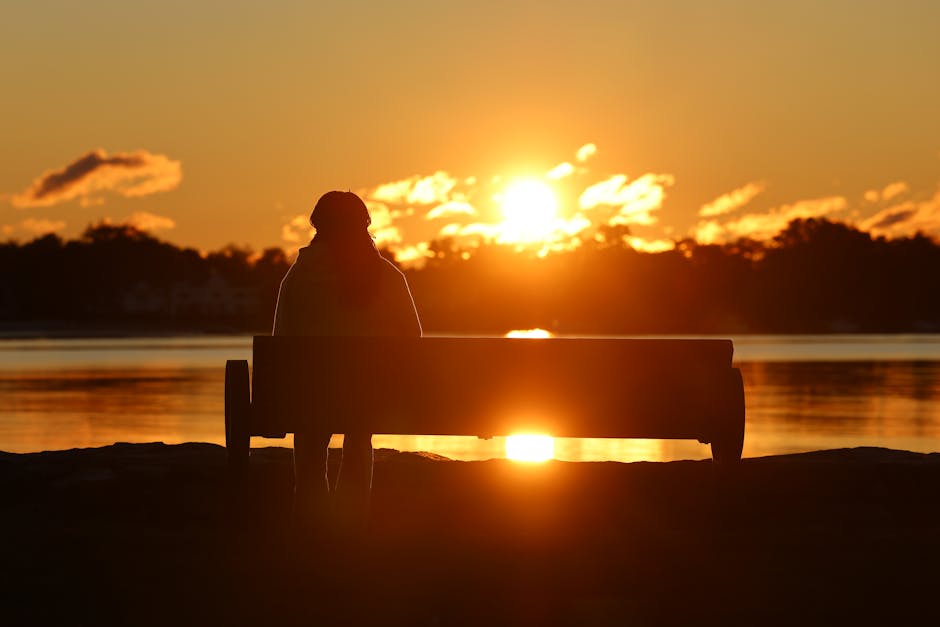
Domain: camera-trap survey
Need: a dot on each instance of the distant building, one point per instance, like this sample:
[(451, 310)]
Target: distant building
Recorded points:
[(214, 298)]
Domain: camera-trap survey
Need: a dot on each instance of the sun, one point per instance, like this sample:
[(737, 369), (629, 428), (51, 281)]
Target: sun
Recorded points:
[(530, 448), (530, 212)]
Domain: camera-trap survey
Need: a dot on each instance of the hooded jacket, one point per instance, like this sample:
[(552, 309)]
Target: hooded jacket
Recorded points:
[(312, 301)]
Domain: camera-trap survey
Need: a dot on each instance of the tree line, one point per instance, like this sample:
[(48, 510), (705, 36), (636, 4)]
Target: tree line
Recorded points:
[(814, 276)]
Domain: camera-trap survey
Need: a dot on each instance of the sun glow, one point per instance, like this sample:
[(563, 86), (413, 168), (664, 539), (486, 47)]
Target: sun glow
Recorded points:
[(529, 212), (530, 448)]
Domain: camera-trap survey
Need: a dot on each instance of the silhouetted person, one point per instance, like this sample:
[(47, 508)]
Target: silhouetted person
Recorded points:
[(340, 286)]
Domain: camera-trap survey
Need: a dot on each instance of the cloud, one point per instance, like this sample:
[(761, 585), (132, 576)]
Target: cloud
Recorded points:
[(449, 209), (413, 255), (585, 152), (560, 171), (891, 190), (479, 230), (709, 232), (733, 200), (41, 226), (146, 221), (906, 219), (33, 227), (416, 190), (636, 200), (380, 214), (127, 174), (765, 225), (297, 230), (382, 229), (393, 209), (469, 208), (888, 219), (650, 245), (552, 233)]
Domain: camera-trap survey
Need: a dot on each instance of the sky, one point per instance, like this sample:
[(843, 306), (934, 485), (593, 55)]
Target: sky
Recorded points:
[(210, 123)]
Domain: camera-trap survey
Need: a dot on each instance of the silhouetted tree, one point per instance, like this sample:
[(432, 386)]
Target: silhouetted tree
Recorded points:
[(815, 275)]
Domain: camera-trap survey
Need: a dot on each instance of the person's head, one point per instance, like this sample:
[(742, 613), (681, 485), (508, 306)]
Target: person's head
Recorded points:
[(340, 214), (342, 223)]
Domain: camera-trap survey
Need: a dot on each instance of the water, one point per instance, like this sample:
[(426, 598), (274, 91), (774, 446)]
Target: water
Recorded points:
[(803, 393)]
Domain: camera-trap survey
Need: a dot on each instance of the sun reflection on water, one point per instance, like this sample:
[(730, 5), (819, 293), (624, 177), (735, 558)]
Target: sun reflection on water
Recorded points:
[(529, 333), (63, 394)]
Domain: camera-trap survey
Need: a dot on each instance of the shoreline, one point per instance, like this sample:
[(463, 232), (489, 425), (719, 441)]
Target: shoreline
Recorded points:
[(149, 534), (856, 453), (268, 454), (65, 329)]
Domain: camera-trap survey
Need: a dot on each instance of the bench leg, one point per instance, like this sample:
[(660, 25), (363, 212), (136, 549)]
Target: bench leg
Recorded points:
[(237, 405), (729, 443)]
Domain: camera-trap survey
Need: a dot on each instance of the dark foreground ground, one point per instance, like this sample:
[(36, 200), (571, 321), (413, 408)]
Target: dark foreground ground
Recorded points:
[(153, 534)]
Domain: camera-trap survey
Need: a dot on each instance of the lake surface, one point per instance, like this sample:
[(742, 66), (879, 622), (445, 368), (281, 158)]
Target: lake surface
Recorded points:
[(803, 393)]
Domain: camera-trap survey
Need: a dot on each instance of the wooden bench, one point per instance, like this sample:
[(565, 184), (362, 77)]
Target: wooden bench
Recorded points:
[(564, 387)]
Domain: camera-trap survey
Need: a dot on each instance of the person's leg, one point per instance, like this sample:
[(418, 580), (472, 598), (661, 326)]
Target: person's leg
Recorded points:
[(311, 485), (354, 484)]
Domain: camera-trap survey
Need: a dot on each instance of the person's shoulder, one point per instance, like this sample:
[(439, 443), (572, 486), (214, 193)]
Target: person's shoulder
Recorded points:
[(310, 260)]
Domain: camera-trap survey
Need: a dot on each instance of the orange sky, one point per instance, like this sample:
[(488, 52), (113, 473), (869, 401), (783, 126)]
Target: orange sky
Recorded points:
[(212, 123)]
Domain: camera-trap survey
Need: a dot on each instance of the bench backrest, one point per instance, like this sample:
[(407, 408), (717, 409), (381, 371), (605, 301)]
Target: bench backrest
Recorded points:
[(491, 386)]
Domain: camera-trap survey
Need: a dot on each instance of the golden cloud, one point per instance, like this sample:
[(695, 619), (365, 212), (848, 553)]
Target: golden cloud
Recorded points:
[(585, 152), (416, 190), (41, 226), (380, 214), (761, 226), (297, 230), (479, 230), (709, 232), (560, 171), (551, 234), (451, 208), (386, 236), (643, 245), (146, 221), (891, 190), (413, 255), (382, 229), (34, 227), (733, 200), (906, 219), (130, 174), (636, 200)]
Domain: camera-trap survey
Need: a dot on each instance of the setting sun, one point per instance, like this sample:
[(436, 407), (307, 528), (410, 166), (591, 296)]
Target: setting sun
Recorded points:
[(530, 448), (529, 212)]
